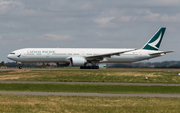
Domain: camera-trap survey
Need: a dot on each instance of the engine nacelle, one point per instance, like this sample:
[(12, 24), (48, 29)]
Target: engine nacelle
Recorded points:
[(78, 61)]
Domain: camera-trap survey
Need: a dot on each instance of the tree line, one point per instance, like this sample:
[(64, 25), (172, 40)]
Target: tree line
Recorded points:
[(2, 63)]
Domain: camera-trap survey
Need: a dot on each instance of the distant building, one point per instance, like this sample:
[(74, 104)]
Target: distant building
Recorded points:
[(103, 65), (3, 67)]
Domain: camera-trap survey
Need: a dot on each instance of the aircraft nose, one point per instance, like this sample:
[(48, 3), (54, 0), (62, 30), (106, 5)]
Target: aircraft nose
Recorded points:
[(9, 56)]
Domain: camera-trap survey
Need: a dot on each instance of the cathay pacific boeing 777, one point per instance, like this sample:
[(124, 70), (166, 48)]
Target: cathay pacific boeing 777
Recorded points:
[(82, 56)]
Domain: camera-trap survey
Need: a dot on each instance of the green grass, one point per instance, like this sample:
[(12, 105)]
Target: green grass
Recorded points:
[(88, 88), (73, 104), (93, 76)]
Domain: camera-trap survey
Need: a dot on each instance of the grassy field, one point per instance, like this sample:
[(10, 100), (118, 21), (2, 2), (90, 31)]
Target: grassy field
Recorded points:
[(91, 76), (74, 104), (88, 88), (60, 104)]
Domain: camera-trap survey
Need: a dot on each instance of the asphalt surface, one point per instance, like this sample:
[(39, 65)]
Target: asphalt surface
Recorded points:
[(91, 94), (92, 83), (120, 69)]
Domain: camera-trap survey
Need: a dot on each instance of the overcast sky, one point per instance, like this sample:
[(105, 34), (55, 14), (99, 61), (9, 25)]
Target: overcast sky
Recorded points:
[(88, 24)]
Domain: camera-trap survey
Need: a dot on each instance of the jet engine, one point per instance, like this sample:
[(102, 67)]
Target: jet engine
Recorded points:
[(78, 61)]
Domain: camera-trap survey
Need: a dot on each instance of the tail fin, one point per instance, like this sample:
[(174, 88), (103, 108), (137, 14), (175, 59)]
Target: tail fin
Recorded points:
[(155, 41)]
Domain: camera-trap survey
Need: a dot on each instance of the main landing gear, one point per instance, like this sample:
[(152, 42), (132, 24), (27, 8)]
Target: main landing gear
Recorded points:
[(89, 67)]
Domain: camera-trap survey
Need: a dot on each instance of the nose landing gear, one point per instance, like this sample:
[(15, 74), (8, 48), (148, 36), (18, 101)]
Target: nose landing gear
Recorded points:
[(20, 67)]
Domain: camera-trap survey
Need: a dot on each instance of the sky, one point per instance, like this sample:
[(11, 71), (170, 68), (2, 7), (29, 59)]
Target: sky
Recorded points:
[(88, 24)]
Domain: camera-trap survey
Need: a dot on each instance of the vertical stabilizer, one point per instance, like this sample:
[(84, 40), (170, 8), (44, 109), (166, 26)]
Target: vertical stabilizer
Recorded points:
[(155, 41)]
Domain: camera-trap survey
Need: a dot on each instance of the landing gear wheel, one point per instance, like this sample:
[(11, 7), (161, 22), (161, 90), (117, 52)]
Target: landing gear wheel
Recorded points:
[(89, 67), (20, 67)]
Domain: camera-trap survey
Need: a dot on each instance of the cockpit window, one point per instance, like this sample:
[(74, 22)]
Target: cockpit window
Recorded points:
[(12, 53)]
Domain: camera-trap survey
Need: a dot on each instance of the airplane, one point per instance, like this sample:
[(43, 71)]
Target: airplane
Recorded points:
[(83, 56)]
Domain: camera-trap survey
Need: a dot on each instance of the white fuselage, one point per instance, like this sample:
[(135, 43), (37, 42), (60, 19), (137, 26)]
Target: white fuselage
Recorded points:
[(63, 54), (82, 56)]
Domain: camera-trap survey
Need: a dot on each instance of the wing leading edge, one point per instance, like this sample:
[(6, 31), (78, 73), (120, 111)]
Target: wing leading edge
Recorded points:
[(101, 56)]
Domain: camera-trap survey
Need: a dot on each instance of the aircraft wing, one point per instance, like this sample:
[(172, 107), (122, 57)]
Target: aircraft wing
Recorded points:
[(161, 53), (101, 56)]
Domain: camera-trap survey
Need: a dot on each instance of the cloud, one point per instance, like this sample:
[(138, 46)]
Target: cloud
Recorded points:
[(157, 17), (86, 23), (163, 2), (15, 8), (105, 22), (53, 37)]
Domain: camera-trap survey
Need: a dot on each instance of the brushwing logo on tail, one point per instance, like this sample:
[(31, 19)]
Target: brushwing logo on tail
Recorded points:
[(153, 44), (155, 41)]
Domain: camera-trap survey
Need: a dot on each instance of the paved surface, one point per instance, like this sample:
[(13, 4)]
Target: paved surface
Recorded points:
[(120, 69), (91, 94), (95, 83)]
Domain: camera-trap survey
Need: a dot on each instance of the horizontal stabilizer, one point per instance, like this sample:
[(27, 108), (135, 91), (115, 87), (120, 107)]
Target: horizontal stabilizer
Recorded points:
[(161, 53)]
